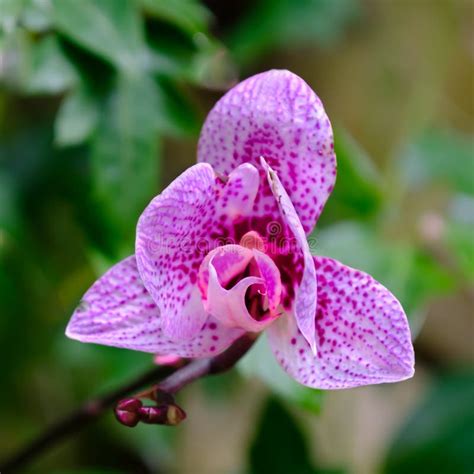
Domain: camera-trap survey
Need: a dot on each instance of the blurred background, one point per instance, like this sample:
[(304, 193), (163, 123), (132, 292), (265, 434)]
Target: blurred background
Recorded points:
[(101, 103)]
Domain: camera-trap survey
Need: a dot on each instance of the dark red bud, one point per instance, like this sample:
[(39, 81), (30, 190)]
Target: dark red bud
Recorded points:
[(170, 415), (153, 415), (129, 404), (127, 418), (126, 411)]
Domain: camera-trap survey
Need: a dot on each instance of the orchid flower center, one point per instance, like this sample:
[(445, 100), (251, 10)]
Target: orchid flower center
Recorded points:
[(240, 285)]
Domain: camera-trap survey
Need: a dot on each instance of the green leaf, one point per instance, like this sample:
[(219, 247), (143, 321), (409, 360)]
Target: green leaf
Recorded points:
[(260, 362), (10, 11), (77, 118), (125, 159), (203, 60), (272, 23), (111, 29), (410, 274), (189, 15), (177, 114), (439, 156), (30, 14), (36, 15), (439, 435), (359, 188), (279, 445), (10, 217), (47, 69), (212, 66)]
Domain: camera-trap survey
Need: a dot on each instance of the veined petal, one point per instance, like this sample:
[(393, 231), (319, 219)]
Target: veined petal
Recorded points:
[(363, 335), (169, 234), (178, 229), (118, 311), (276, 115), (306, 288)]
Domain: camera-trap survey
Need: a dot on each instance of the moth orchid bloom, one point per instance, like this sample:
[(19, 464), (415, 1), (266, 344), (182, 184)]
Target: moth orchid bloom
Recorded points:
[(222, 251)]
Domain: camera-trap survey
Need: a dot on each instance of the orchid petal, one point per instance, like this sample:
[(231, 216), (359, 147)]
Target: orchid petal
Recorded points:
[(167, 248), (363, 333), (118, 311), (276, 115), (306, 289), (238, 196), (175, 232)]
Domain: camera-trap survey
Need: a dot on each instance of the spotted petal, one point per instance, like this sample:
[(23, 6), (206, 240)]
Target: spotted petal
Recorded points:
[(304, 305), (175, 232), (362, 333), (275, 115), (118, 311)]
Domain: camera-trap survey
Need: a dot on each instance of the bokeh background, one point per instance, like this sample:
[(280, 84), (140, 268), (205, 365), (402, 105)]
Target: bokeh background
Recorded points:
[(101, 102)]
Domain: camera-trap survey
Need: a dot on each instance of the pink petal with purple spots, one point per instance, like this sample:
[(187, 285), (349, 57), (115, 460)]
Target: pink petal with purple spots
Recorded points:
[(238, 196), (275, 115), (306, 289), (363, 335), (177, 230), (118, 311)]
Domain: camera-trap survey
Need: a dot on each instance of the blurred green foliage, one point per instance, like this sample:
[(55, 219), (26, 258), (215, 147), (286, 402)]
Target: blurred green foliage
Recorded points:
[(261, 363), (96, 98), (121, 67), (279, 445), (439, 435), (282, 23)]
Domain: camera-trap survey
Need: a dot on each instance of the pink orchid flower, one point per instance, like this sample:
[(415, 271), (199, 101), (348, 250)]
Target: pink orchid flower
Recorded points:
[(222, 251)]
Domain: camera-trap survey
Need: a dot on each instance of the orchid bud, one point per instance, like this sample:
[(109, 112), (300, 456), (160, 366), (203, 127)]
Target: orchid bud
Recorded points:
[(153, 415), (175, 415), (170, 415), (126, 412)]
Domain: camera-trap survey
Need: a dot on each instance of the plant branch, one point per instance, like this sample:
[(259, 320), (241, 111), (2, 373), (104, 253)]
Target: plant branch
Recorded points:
[(200, 368), (173, 379)]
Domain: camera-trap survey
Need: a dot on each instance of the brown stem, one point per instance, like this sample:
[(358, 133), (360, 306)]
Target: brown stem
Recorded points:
[(176, 379), (200, 368)]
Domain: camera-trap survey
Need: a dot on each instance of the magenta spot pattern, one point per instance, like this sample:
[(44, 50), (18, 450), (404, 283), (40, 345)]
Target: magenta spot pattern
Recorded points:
[(362, 333), (118, 311), (275, 115), (305, 297), (223, 251)]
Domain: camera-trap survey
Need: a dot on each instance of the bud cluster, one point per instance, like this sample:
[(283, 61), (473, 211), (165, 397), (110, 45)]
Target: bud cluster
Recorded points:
[(130, 412)]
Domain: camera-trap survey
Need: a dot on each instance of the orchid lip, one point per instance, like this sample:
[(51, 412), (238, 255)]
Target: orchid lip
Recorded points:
[(240, 286)]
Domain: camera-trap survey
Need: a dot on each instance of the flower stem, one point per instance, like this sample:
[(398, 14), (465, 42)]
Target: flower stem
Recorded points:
[(172, 380), (200, 368)]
